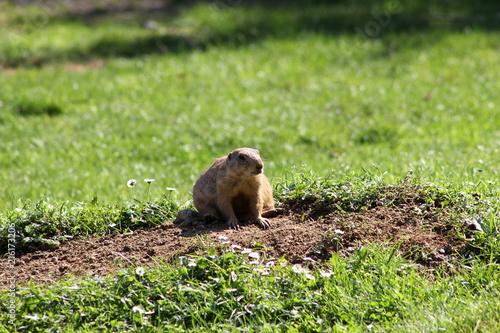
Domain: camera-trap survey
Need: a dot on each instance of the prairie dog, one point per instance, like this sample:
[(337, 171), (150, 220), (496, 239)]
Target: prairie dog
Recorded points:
[(234, 188)]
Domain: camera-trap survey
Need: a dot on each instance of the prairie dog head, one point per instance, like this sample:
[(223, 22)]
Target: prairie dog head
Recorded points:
[(245, 161)]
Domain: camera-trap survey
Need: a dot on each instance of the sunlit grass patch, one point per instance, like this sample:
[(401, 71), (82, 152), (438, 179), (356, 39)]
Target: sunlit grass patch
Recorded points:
[(44, 226), (349, 108), (216, 291)]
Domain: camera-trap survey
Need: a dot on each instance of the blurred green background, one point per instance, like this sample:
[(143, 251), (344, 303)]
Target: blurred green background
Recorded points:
[(94, 94)]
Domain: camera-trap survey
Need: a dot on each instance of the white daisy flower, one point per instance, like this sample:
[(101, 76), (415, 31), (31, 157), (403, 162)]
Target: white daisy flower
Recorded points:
[(140, 271), (138, 309), (254, 255), (325, 274), (298, 269)]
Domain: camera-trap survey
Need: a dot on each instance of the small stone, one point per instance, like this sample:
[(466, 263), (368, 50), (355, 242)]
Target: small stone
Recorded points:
[(186, 217), (446, 250)]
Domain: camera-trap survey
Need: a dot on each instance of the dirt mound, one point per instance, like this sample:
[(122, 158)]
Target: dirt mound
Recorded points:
[(422, 237)]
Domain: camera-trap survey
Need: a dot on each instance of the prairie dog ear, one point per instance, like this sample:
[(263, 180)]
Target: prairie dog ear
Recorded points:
[(232, 154), (255, 151)]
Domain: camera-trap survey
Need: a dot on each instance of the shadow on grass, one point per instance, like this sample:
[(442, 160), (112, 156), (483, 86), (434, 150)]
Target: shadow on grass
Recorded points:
[(252, 21)]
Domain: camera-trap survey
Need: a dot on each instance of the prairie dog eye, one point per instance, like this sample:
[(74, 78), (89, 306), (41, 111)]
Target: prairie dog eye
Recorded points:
[(241, 158)]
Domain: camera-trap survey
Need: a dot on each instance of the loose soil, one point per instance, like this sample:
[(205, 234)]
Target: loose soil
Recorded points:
[(421, 237)]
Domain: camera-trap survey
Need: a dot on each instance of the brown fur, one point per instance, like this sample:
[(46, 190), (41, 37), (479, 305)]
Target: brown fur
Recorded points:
[(235, 189)]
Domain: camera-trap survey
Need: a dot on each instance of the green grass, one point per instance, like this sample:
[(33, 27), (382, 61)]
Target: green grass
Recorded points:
[(84, 107), (222, 288), (372, 290), (42, 225), (422, 101)]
